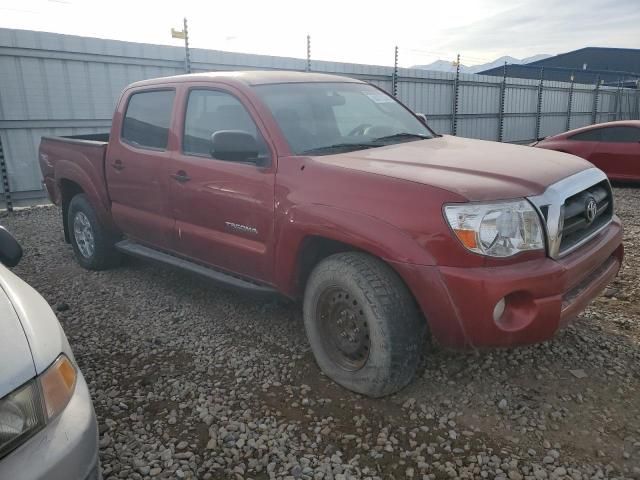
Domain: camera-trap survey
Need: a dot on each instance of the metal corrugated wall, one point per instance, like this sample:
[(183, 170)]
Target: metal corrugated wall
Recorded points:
[(52, 84)]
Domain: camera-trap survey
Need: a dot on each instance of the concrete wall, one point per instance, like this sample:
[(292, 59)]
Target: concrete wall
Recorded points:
[(52, 84)]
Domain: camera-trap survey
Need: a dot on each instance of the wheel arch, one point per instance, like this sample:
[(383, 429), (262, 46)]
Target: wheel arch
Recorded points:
[(301, 248), (71, 180), (313, 249)]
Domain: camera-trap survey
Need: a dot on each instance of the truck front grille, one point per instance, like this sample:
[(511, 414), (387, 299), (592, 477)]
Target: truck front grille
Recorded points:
[(577, 224), (574, 210)]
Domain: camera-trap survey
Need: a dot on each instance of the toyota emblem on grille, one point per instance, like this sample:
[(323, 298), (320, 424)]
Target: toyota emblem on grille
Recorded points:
[(591, 209)]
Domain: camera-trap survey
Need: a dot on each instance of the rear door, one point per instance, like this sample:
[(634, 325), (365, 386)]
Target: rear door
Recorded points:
[(619, 152), (137, 167), (223, 209)]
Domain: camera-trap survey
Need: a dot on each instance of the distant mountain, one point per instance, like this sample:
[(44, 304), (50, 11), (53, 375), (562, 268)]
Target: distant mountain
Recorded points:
[(448, 66), (498, 62), (535, 58), (441, 66)]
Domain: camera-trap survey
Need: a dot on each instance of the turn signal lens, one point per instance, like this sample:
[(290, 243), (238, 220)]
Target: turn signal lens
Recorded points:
[(58, 383), (467, 237)]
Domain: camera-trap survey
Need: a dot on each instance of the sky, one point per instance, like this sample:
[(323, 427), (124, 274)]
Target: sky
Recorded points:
[(347, 30)]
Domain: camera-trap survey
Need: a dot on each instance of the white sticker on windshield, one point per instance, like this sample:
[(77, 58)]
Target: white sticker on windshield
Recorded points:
[(379, 97)]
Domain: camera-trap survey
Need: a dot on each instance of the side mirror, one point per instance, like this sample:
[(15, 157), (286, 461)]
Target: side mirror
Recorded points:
[(10, 249), (234, 145), (422, 117)]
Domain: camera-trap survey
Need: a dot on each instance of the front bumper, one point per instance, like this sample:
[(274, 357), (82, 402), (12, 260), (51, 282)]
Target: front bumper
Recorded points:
[(542, 295), (66, 449)]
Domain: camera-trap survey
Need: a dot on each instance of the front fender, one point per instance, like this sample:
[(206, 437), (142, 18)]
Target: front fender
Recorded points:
[(364, 232)]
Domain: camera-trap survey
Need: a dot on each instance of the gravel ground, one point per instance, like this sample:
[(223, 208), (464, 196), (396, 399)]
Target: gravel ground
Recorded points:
[(191, 381)]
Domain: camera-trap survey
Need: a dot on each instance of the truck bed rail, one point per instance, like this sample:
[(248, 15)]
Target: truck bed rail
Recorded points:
[(90, 138)]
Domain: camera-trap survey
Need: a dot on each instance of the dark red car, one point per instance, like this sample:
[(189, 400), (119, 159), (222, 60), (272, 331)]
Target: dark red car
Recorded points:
[(614, 147)]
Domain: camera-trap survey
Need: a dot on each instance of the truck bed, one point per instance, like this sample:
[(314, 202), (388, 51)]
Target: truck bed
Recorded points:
[(75, 155)]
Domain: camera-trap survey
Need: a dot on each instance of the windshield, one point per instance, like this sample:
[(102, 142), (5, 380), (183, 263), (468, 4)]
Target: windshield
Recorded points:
[(324, 118)]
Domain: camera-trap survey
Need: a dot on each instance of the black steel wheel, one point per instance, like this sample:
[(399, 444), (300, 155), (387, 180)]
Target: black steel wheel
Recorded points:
[(344, 329), (363, 325)]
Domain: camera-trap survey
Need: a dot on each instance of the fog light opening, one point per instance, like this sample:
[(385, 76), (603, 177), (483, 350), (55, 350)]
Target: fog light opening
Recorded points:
[(498, 310), (515, 311)]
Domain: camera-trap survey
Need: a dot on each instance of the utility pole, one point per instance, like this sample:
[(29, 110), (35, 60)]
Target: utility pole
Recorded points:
[(5, 180), (456, 94), (187, 55), (184, 34), (596, 98), (570, 102), (503, 94), (394, 82), (308, 53), (619, 100), (539, 105)]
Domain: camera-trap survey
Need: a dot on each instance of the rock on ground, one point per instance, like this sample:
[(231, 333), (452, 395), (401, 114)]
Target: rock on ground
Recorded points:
[(192, 381)]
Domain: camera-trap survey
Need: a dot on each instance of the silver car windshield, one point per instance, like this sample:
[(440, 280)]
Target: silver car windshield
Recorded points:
[(324, 118)]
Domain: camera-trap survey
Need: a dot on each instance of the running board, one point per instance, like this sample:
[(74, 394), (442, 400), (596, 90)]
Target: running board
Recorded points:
[(136, 250)]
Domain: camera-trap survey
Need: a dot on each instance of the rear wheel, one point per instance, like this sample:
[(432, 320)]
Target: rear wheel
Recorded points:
[(363, 325), (92, 244)]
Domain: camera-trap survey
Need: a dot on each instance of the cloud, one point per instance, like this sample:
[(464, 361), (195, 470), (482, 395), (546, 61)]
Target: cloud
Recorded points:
[(353, 31), (534, 26)]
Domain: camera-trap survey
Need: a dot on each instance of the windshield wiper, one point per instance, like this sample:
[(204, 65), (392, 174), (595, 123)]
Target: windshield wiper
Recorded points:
[(338, 147), (376, 142), (402, 136)]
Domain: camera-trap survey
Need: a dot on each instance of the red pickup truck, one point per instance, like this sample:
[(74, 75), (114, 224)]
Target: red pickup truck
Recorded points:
[(328, 190)]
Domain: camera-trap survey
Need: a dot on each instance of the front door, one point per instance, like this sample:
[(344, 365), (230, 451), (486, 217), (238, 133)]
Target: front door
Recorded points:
[(223, 209), (137, 168)]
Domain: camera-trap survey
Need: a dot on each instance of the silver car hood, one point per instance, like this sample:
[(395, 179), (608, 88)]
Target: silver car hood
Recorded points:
[(16, 363), (31, 337)]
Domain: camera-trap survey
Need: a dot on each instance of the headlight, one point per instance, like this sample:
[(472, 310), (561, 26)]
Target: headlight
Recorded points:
[(27, 409), (21, 415), (499, 229)]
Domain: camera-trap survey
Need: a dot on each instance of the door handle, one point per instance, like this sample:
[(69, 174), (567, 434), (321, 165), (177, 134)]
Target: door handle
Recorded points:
[(117, 164), (181, 176)]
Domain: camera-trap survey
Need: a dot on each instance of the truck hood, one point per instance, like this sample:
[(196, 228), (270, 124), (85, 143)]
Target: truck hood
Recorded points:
[(16, 363), (31, 338), (475, 169)]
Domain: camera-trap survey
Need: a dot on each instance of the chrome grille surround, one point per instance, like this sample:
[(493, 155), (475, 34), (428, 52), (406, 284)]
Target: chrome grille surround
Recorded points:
[(551, 206)]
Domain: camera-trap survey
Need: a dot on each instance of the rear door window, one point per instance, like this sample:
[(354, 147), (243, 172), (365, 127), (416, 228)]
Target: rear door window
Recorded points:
[(147, 119)]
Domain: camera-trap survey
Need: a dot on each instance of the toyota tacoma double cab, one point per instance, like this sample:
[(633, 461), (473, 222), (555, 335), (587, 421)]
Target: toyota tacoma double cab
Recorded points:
[(328, 190)]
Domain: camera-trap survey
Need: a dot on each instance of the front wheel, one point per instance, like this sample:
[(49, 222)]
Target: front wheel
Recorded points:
[(363, 325), (91, 242)]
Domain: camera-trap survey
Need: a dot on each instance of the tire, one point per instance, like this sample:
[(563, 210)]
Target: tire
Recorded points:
[(379, 309), (91, 242)]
